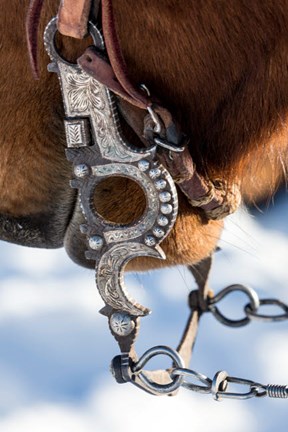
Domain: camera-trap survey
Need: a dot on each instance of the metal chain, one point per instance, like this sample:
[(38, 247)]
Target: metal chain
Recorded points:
[(251, 309), (218, 386)]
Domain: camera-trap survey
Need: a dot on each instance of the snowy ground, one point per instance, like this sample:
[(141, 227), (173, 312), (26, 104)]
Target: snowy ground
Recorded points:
[(55, 348)]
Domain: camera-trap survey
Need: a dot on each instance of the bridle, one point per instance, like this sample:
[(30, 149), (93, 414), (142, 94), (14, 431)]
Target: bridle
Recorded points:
[(98, 150)]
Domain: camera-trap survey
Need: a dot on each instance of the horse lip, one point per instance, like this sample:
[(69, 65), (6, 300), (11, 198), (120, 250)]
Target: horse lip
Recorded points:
[(75, 242), (33, 231), (42, 230)]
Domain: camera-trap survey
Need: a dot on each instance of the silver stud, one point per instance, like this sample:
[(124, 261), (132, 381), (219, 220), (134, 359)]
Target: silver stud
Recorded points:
[(81, 170), (162, 220), (121, 323), (150, 240), (154, 173), (160, 184), (143, 165), (96, 242), (158, 232), (166, 208), (165, 197)]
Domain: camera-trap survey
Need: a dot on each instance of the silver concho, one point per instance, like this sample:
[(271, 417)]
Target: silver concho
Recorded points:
[(121, 323), (98, 151)]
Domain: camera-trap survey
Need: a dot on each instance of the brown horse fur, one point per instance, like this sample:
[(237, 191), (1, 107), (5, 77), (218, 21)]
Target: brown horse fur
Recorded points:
[(221, 68)]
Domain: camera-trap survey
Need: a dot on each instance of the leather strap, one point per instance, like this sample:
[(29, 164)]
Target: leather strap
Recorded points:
[(73, 16), (32, 24)]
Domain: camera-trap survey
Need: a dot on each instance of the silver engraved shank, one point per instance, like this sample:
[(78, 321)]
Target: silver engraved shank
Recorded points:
[(98, 151)]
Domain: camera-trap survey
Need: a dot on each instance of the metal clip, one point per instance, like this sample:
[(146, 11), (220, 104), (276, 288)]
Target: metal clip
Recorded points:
[(169, 146), (220, 384)]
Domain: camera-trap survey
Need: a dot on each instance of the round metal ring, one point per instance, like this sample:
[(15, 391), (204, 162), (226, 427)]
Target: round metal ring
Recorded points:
[(254, 304), (268, 318), (156, 388), (219, 384), (49, 39), (191, 373)]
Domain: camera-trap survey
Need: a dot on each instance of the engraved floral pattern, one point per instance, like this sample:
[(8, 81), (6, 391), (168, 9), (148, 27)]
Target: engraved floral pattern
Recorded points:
[(110, 276), (84, 93)]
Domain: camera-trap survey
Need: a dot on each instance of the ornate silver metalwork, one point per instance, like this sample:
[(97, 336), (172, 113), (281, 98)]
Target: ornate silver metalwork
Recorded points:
[(77, 133), (81, 170), (96, 242), (98, 151), (162, 220), (121, 323), (160, 184)]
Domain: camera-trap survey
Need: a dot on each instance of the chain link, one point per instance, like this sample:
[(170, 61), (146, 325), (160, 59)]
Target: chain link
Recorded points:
[(218, 386), (251, 309)]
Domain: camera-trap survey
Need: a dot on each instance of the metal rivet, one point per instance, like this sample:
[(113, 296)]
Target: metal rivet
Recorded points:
[(84, 228), (143, 165), (162, 220), (96, 242), (165, 196), (166, 208), (121, 323), (160, 184), (158, 232), (81, 170), (150, 240), (154, 173)]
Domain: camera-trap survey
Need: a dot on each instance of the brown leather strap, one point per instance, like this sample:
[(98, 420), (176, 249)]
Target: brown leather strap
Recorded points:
[(73, 16), (96, 66), (198, 305), (116, 58), (32, 24)]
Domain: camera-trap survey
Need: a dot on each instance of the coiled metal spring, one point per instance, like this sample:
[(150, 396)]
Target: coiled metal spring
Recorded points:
[(277, 391)]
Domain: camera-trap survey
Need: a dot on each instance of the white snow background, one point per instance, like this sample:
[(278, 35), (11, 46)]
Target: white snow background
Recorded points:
[(55, 349)]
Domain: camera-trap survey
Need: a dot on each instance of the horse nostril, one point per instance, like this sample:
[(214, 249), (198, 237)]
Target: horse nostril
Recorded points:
[(89, 59)]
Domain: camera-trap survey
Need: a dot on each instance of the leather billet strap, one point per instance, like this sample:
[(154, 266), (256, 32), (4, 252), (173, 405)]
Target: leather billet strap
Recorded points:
[(73, 17)]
